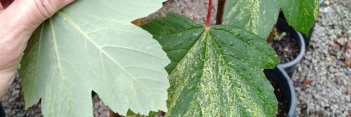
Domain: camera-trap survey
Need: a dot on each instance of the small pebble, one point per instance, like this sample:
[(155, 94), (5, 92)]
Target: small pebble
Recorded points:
[(326, 3), (348, 61), (341, 41)]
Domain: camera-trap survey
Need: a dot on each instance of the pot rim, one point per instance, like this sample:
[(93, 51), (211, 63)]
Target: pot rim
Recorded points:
[(293, 104)]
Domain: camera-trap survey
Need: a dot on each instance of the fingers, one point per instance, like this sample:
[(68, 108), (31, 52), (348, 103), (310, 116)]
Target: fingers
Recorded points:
[(47, 8), (33, 12)]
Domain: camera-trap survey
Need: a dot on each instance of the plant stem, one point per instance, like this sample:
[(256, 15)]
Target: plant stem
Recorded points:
[(209, 13), (220, 11)]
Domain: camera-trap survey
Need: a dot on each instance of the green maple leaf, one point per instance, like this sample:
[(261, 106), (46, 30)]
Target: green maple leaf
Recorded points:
[(215, 71), (259, 16), (91, 45)]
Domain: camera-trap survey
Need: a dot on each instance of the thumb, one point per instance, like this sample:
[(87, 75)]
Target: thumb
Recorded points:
[(47, 8), (33, 12)]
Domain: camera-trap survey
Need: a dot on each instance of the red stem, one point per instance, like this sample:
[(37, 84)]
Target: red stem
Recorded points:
[(209, 13)]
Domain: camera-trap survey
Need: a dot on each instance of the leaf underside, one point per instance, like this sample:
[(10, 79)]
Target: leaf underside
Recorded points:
[(215, 71), (91, 45), (259, 16)]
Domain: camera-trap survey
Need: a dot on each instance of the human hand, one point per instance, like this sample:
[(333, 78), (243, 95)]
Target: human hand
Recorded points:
[(17, 23)]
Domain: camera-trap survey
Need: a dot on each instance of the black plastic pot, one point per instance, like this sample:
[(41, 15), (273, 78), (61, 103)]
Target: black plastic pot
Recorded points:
[(284, 91), (2, 112), (290, 66)]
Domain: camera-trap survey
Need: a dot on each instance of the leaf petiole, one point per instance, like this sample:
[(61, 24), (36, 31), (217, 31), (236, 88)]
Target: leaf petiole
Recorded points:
[(209, 13)]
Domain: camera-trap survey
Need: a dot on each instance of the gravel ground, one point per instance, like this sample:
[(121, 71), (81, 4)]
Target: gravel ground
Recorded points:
[(323, 78), (13, 103), (194, 9)]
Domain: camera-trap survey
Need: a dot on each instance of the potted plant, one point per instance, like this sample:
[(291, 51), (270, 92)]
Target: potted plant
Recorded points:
[(289, 44), (300, 17), (190, 69), (164, 34)]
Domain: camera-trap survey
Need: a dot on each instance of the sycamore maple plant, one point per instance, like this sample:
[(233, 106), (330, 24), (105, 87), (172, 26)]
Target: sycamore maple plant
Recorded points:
[(187, 69)]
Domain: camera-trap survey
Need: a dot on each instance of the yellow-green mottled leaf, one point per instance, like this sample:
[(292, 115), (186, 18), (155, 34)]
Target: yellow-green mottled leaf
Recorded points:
[(259, 16), (215, 71), (301, 14), (92, 46)]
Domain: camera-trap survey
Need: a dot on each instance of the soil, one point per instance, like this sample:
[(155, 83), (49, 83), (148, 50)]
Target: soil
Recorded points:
[(287, 47)]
